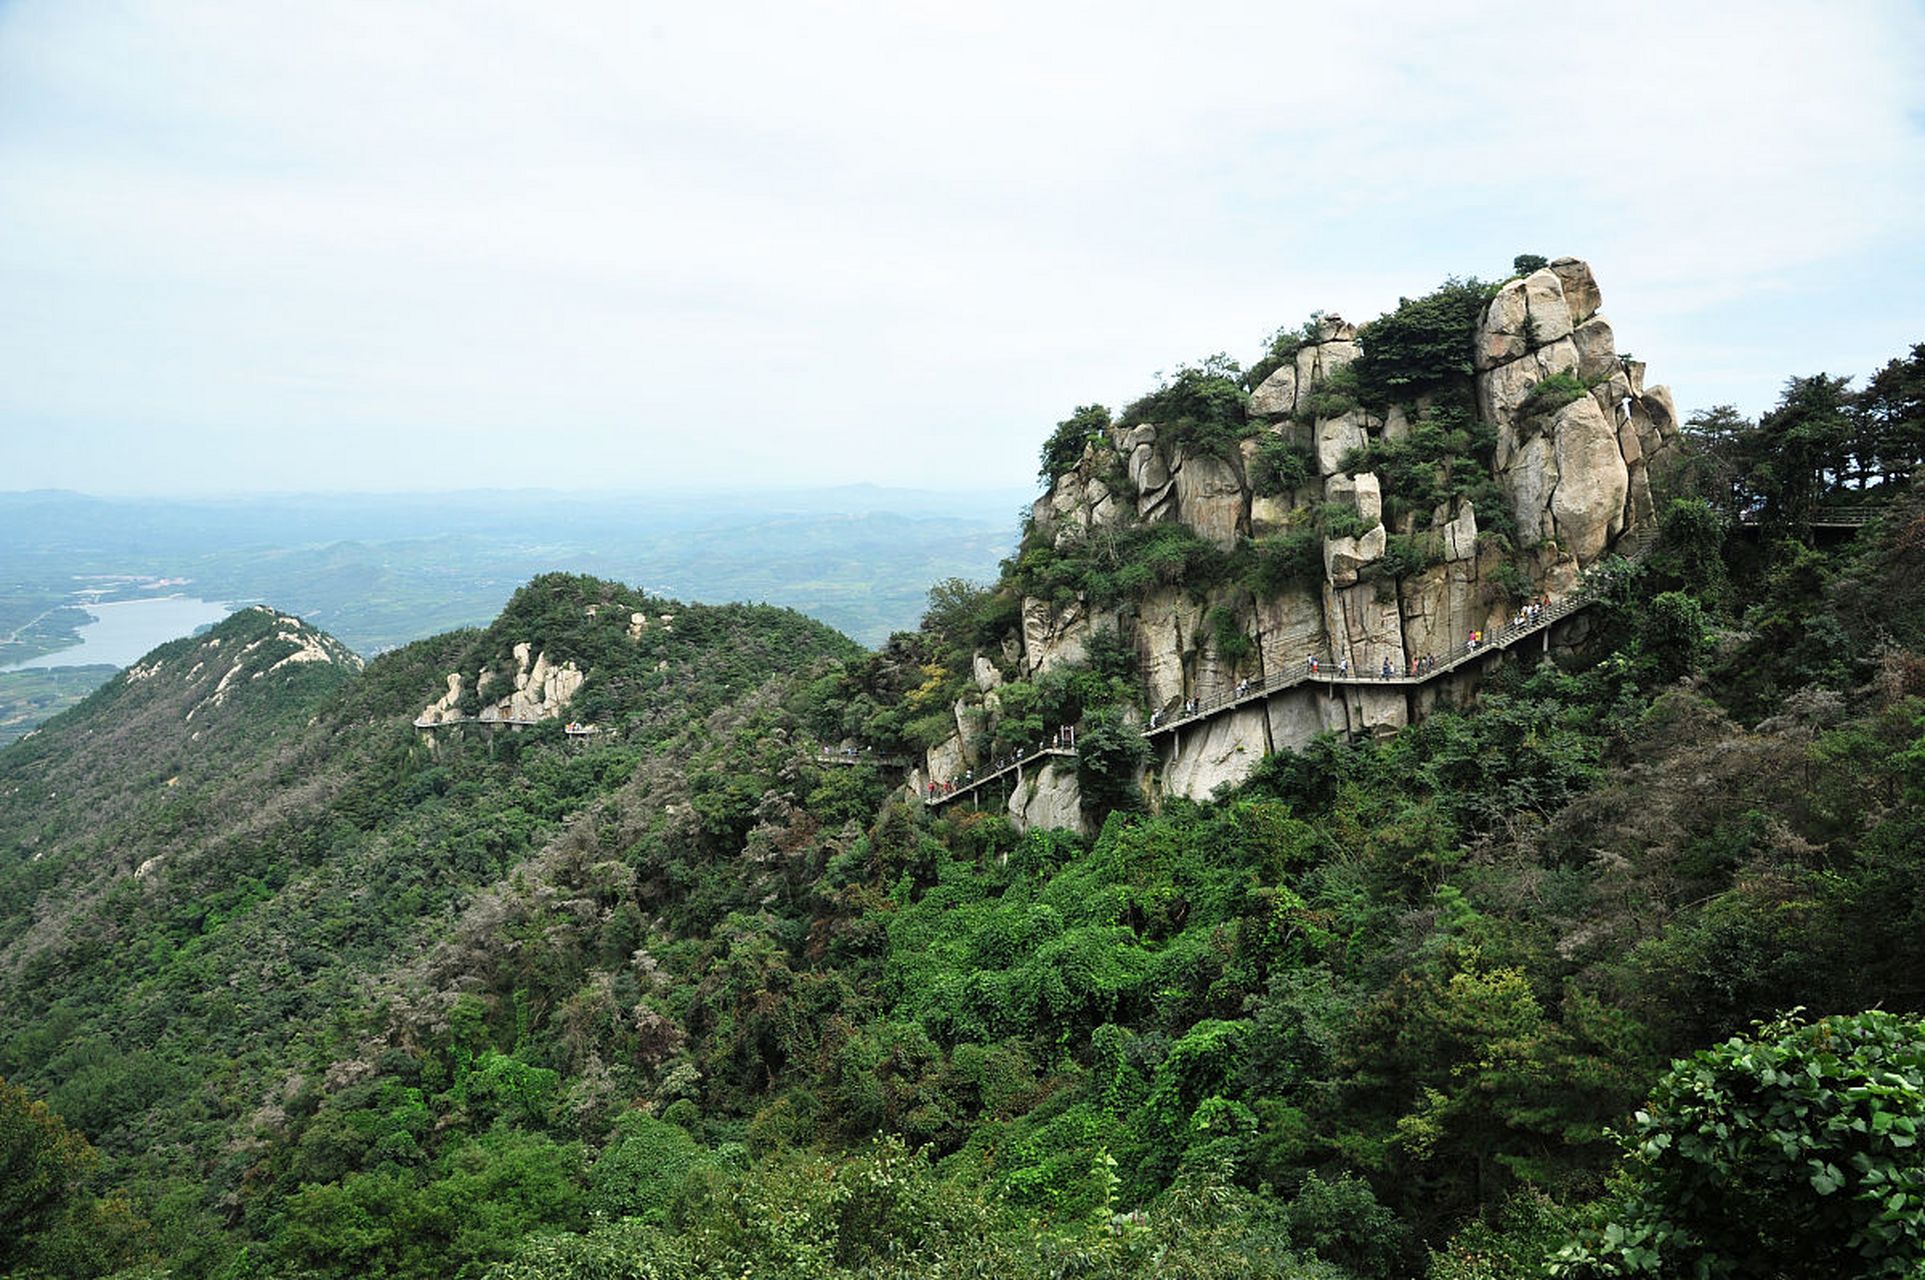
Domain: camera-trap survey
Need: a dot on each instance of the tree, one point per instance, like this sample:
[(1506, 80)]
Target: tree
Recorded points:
[(1802, 449), (1890, 414), (1525, 263), (1795, 1154), (1713, 467), (42, 1164), (1064, 448)]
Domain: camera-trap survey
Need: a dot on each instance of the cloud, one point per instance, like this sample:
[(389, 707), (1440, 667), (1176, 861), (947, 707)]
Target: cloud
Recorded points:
[(397, 245)]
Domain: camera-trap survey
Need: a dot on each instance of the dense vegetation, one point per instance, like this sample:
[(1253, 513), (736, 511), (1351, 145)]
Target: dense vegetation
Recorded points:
[(287, 990)]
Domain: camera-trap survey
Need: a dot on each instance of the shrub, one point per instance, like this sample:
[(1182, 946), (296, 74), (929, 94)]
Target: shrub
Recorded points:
[(1280, 467), (1064, 448), (1232, 645), (1282, 350), (1340, 520), (1404, 555), (1422, 347), (1283, 560), (1552, 394), (1201, 407), (1800, 1145)]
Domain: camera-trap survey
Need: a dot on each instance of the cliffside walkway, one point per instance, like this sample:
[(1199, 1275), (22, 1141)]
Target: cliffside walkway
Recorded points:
[(1828, 518), (1639, 545), (462, 722), (830, 756), (1012, 769)]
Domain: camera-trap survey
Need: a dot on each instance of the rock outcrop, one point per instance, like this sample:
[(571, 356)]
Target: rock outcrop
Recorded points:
[(1577, 432), (540, 691)]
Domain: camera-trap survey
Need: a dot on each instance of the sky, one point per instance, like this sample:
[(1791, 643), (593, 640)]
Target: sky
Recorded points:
[(404, 244)]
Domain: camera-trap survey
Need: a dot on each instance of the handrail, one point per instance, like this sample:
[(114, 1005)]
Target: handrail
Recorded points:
[(1848, 517), (829, 755), (422, 722), (1633, 546), (1059, 744)]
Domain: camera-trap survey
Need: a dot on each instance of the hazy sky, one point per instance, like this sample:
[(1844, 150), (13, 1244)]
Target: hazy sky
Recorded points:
[(249, 245)]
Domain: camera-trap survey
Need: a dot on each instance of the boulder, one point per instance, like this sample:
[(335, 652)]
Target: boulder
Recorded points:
[(1209, 498), (1531, 478), (1581, 293), (971, 724), (1269, 515), (1588, 502), (988, 679), (1343, 558), (1369, 497), (1276, 396), (1550, 315), (1332, 327), (1048, 799), (1360, 492), (1597, 356), (1333, 355), (1456, 535), (1052, 637), (1396, 424), (945, 760), (1499, 392), (1337, 437), (1662, 410), (1365, 624), (1500, 333), (1148, 469), (1295, 716), (1557, 357)]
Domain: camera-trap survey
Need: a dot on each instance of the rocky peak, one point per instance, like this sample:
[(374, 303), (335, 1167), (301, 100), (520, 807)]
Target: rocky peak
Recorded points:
[(1397, 580)]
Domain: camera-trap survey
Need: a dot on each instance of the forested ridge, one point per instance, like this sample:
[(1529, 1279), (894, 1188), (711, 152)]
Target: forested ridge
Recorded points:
[(1618, 972)]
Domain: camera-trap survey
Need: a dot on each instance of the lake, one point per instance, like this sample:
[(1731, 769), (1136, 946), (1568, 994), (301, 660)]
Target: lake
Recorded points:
[(124, 631)]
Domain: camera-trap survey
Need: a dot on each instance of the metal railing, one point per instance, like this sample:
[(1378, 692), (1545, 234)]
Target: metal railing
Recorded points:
[(1634, 546), (1061, 743)]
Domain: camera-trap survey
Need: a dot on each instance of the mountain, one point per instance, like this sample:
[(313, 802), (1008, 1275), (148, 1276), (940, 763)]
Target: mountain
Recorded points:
[(1081, 931)]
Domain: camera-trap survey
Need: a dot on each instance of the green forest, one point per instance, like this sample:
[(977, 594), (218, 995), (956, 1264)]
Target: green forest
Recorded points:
[(1618, 972)]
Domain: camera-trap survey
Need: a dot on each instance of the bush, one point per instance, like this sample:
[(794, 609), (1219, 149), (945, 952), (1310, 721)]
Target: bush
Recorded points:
[(1284, 560), (1064, 448), (1800, 1146), (1340, 520), (1552, 394), (1201, 407), (1281, 467), (1282, 350), (1232, 645), (1423, 347)]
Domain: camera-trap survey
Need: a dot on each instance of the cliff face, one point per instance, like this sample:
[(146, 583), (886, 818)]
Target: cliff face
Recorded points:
[(1576, 433)]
